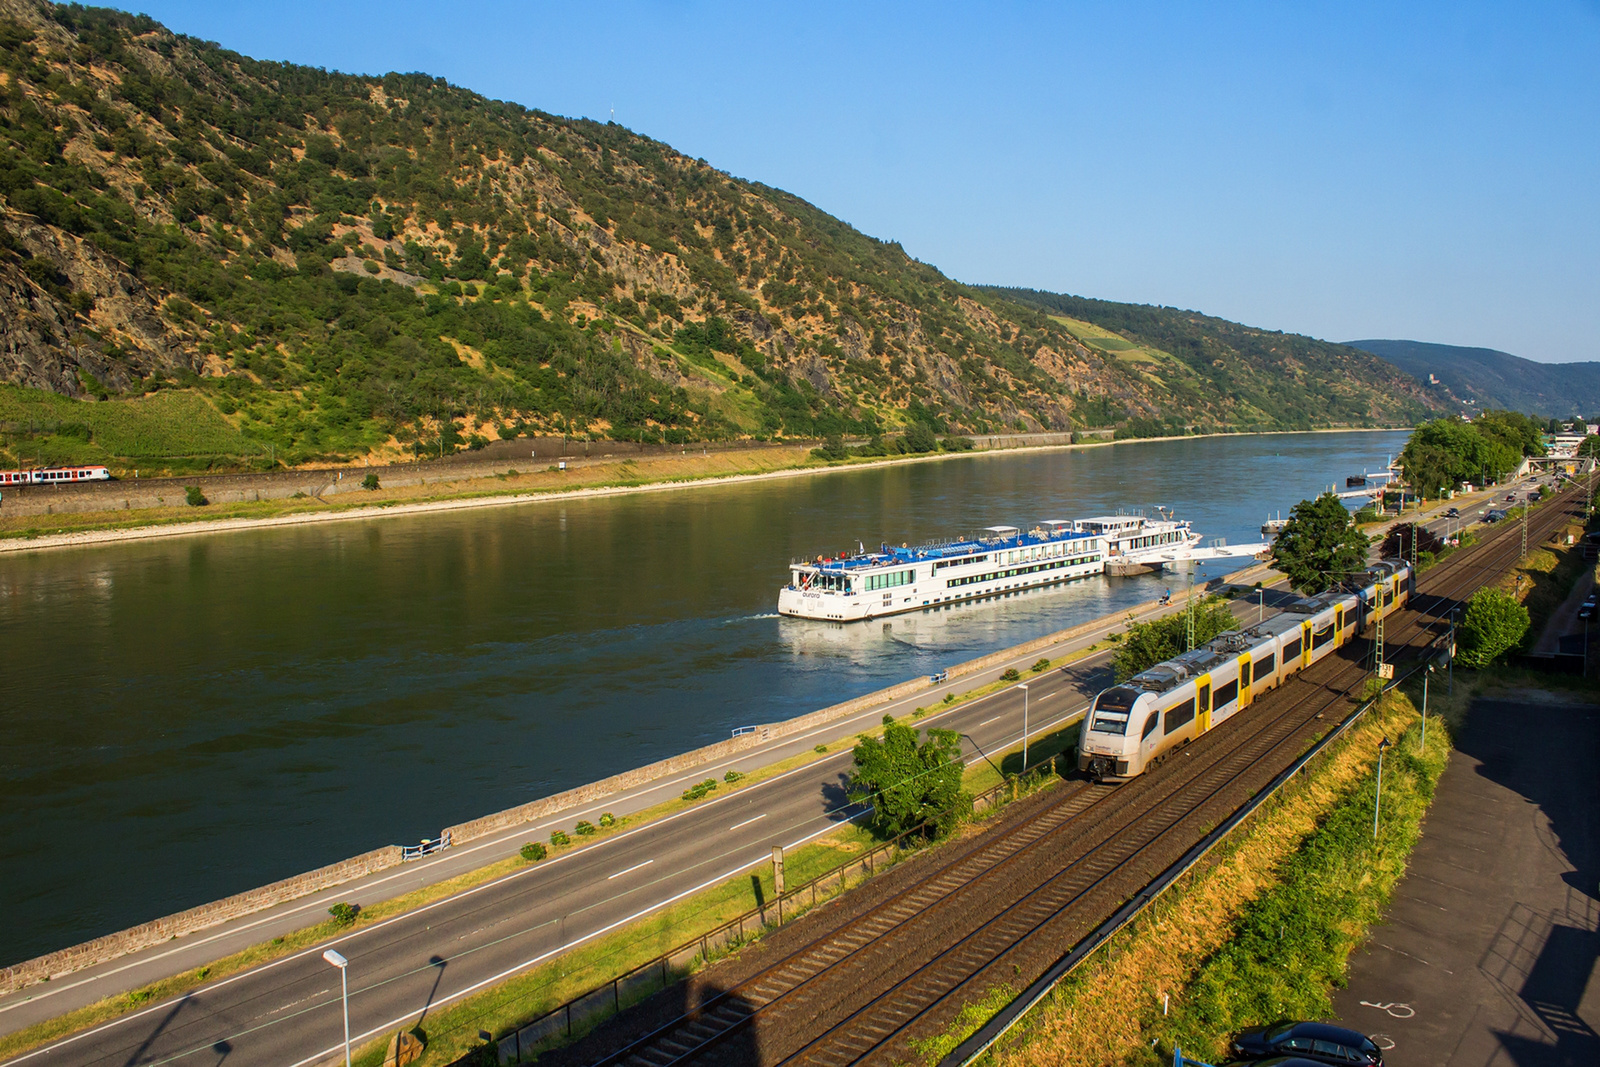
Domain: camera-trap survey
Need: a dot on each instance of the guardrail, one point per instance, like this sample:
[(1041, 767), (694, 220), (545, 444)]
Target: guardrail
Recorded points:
[(428, 847), (676, 963), (740, 731), (986, 1035)]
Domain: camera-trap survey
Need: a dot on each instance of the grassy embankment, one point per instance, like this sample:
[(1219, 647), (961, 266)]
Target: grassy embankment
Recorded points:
[(167, 432), (603, 959), (1260, 932)]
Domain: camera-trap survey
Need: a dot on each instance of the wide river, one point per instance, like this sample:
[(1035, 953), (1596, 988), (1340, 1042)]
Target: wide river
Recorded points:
[(186, 718)]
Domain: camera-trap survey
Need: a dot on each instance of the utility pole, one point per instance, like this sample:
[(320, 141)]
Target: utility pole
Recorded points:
[(1377, 798), (1524, 529), (1189, 610)]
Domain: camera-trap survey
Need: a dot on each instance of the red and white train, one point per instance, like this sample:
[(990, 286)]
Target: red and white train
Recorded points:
[(55, 476)]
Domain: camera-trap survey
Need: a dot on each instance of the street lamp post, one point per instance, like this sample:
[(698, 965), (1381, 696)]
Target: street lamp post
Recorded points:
[(1024, 688), (1261, 604), (333, 957), (1425, 674), (1377, 799)]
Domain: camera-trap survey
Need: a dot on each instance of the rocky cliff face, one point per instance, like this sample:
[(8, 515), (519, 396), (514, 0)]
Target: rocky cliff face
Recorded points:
[(76, 321)]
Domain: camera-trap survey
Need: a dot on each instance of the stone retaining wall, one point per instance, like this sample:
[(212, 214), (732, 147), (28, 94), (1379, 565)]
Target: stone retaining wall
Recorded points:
[(111, 946)]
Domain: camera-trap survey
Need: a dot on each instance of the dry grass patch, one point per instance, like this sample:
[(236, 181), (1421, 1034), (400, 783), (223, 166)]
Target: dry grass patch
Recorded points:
[(1099, 1014)]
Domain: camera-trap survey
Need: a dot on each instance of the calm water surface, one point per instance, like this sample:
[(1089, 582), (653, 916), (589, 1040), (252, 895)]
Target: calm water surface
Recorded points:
[(184, 719)]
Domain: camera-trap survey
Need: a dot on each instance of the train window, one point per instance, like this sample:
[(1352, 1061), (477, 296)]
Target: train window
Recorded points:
[(1150, 726), (1178, 716), (1291, 650), (1264, 665), (1227, 694), (1320, 639), (1111, 711), (1205, 697)]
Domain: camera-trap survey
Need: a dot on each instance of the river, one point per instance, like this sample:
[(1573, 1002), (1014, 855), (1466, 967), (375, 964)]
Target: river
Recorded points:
[(186, 718)]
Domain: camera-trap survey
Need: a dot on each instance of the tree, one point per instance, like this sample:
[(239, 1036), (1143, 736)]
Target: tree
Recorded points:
[(1590, 445), (919, 437), (907, 783), (1147, 643), (1319, 545), (1493, 624)]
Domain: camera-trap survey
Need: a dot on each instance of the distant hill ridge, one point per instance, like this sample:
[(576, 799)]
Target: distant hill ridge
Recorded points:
[(1480, 378)]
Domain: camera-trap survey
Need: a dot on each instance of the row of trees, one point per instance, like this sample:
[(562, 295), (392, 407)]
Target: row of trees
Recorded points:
[(1444, 453)]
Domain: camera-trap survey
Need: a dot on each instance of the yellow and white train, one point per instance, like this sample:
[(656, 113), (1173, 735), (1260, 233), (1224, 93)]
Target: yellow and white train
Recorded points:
[(1132, 725)]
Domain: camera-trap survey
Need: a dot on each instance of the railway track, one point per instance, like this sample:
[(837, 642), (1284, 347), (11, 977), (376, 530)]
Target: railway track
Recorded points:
[(862, 990)]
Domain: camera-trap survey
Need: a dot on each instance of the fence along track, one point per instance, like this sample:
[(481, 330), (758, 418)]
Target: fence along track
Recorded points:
[(911, 998), (737, 1007), (1080, 885), (874, 1025)]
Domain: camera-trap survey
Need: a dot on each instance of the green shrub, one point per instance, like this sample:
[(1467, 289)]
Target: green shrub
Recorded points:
[(820, 748), (559, 838), (732, 776), (696, 792), (1010, 675), (607, 819), (585, 828), (345, 914), (949, 698), (1042, 665), (370, 482), (533, 852), (194, 497)]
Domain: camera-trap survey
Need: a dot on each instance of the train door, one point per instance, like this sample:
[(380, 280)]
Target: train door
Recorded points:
[(1149, 737), (1305, 645), (1338, 625), (1203, 704), (1244, 681)]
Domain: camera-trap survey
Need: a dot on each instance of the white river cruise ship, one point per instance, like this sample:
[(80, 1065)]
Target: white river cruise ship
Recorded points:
[(888, 581)]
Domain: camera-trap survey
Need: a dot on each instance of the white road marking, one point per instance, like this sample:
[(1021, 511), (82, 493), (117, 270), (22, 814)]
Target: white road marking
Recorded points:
[(986, 722), (630, 870), (747, 822)]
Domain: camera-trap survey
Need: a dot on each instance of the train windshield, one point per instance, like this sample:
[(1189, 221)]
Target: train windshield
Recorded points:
[(1111, 711)]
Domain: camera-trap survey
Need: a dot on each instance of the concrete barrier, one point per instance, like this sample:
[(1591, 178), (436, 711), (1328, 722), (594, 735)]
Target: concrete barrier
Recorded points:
[(111, 946)]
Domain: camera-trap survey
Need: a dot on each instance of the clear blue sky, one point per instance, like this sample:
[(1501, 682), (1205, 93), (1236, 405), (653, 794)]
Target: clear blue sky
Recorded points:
[(1427, 171)]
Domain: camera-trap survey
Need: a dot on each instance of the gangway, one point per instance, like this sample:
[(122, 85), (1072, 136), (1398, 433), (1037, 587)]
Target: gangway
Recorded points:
[(1173, 557)]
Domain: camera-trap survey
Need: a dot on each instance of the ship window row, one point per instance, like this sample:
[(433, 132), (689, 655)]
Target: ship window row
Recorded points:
[(951, 583), (1153, 539), (890, 579), (962, 562)]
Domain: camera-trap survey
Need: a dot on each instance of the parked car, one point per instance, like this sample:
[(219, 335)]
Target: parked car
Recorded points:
[(1315, 1042), (1495, 515)]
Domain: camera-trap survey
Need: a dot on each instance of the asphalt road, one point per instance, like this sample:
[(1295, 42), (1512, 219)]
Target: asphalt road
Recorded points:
[(288, 1012)]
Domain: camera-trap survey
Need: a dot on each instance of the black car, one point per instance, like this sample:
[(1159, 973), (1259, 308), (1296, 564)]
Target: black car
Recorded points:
[(1316, 1042), (1453, 513)]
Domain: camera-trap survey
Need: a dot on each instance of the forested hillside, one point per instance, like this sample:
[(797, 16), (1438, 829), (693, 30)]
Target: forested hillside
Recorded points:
[(1277, 379), (338, 265), (1478, 379)]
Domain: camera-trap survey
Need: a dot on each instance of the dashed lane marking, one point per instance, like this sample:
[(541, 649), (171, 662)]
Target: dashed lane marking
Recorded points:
[(630, 870)]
